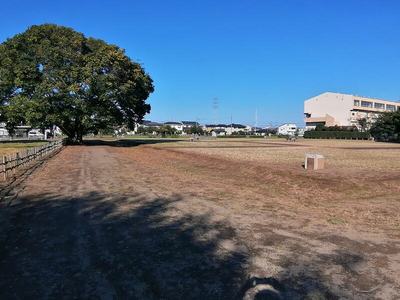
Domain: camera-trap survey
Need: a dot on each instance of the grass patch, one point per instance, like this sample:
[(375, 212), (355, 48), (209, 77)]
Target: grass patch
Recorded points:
[(9, 148), (336, 221)]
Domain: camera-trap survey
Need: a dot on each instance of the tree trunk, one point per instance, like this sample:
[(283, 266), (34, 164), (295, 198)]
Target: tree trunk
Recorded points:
[(76, 138)]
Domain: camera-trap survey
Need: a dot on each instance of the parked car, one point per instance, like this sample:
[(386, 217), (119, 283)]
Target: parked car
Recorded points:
[(3, 133), (35, 134)]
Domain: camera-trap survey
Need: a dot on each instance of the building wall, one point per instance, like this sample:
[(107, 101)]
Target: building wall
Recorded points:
[(337, 106), (340, 109)]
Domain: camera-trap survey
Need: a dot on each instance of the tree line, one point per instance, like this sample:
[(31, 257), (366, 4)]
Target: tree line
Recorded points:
[(167, 130)]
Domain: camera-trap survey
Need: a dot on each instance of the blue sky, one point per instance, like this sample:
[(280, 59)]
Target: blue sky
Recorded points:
[(251, 54)]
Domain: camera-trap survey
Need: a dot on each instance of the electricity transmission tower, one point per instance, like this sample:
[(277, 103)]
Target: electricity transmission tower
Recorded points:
[(215, 106)]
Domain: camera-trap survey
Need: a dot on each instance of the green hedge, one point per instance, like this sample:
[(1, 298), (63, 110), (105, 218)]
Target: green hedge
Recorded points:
[(347, 135), (240, 136)]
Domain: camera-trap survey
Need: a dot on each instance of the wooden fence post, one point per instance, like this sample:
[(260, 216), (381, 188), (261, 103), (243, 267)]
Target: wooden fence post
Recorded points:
[(5, 167), (13, 163), (9, 163), (18, 159)]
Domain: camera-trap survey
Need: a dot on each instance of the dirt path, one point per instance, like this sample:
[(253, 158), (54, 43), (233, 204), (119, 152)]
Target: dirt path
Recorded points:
[(145, 223)]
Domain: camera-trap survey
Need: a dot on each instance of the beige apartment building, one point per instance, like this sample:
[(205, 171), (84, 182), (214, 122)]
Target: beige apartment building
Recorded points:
[(332, 109)]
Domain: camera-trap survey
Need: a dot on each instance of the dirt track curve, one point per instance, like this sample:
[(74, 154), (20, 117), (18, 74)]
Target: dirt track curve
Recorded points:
[(107, 222)]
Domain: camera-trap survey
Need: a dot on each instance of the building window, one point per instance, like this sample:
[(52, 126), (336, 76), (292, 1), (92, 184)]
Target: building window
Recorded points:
[(366, 104), (390, 107), (379, 105), (356, 102)]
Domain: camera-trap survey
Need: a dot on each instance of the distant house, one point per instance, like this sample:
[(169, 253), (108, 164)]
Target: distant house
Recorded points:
[(256, 131), (218, 132), (287, 129), (26, 131), (236, 128), (270, 130), (20, 131), (213, 127), (176, 125), (147, 123), (189, 124)]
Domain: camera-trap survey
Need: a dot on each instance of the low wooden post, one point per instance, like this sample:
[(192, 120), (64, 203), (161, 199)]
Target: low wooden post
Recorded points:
[(314, 161), (18, 159), (5, 167), (9, 164), (13, 161)]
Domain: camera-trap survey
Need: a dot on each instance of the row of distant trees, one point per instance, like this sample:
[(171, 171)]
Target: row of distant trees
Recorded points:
[(168, 130)]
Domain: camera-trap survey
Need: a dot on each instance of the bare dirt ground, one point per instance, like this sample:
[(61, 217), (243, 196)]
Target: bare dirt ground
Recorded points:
[(206, 220)]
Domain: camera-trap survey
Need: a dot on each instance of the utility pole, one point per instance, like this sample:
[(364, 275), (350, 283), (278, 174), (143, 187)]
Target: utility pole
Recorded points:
[(256, 121), (231, 125), (215, 109)]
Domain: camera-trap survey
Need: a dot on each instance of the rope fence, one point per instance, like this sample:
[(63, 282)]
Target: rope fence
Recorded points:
[(11, 163)]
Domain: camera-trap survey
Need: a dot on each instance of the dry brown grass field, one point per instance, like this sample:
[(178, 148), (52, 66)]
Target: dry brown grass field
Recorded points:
[(358, 173), (212, 219), (7, 148)]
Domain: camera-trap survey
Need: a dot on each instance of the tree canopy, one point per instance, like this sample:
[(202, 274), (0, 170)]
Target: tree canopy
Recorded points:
[(387, 127), (53, 75)]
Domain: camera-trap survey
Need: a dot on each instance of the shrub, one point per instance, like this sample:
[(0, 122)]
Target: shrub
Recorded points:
[(320, 127), (348, 135), (387, 127)]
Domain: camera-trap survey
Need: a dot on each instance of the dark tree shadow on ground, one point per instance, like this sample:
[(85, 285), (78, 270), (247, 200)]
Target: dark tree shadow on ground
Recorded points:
[(109, 246), (128, 142), (90, 247), (304, 278)]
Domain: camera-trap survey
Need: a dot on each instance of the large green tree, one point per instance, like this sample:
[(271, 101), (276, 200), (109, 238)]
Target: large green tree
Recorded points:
[(387, 127), (53, 75)]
